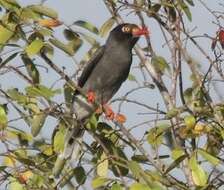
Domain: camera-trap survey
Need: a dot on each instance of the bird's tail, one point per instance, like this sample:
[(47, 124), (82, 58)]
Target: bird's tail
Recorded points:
[(74, 135), (72, 147)]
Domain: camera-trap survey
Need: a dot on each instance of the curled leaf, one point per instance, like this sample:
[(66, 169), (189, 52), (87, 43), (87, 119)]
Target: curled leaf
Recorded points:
[(34, 48), (50, 23), (105, 28), (87, 26)]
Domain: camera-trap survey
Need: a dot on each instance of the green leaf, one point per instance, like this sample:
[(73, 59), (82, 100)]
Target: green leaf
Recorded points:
[(2, 168), (175, 163), (58, 166), (107, 131), (176, 153), (8, 59), (106, 27), (13, 2), (3, 117), (135, 169), (68, 95), (41, 91), (38, 180), (172, 15), (34, 48), (87, 26), (31, 104), (172, 113), (155, 8), (17, 96), (46, 149), (31, 68), (74, 45), (80, 175), (139, 186), (190, 2), (212, 159), (186, 9), (155, 135), (120, 164), (99, 182), (92, 41), (199, 176), (48, 50), (92, 124), (10, 5), (116, 186), (59, 138), (160, 64), (15, 185), (43, 10), (6, 34), (37, 123), (102, 165), (35, 36), (69, 48), (27, 14), (188, 95), (70, 35), (140, 158), (66, 178), (45, 32), (190, 121)]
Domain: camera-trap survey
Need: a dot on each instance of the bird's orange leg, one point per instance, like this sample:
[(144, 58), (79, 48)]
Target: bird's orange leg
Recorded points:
[(91, 97), (108, 112)]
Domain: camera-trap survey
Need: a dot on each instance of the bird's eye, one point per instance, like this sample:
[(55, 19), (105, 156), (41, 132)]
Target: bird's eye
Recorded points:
[(125, 29)]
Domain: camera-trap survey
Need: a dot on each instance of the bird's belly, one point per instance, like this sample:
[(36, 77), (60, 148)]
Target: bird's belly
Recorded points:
[(106, 84)]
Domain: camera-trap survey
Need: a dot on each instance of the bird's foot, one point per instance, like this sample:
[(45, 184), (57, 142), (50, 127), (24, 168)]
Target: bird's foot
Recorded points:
[(91, 97), (109, 113)]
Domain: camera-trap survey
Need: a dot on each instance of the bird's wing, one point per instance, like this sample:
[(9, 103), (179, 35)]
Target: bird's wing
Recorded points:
[(90, 65)]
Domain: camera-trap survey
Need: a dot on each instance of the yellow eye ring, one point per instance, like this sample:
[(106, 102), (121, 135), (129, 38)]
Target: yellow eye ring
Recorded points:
[(126, 29)]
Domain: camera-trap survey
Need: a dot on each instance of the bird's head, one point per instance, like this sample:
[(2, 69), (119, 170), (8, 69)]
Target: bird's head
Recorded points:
[(129, 33)]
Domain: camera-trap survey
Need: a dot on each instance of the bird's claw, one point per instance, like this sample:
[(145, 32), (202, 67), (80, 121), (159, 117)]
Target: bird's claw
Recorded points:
[(91, 97), (109, 113)]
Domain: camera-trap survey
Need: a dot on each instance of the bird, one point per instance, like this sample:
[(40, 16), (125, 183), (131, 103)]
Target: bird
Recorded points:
[(102, 77)]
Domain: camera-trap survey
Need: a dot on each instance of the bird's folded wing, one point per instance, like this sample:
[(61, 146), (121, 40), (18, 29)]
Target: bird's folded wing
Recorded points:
[(90, 65)]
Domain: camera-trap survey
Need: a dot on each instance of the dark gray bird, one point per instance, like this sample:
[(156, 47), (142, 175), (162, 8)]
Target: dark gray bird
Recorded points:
[(104, 74)]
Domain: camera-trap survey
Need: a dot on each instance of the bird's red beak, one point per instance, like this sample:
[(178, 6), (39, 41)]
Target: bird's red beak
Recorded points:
[(137, 31)]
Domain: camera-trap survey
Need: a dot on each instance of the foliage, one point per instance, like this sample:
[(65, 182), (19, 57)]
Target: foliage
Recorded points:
[(187, 124)]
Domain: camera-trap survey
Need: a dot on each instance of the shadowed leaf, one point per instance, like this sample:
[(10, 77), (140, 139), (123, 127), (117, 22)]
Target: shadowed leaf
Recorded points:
[(43, 10), (31, 68), (87, 26)]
